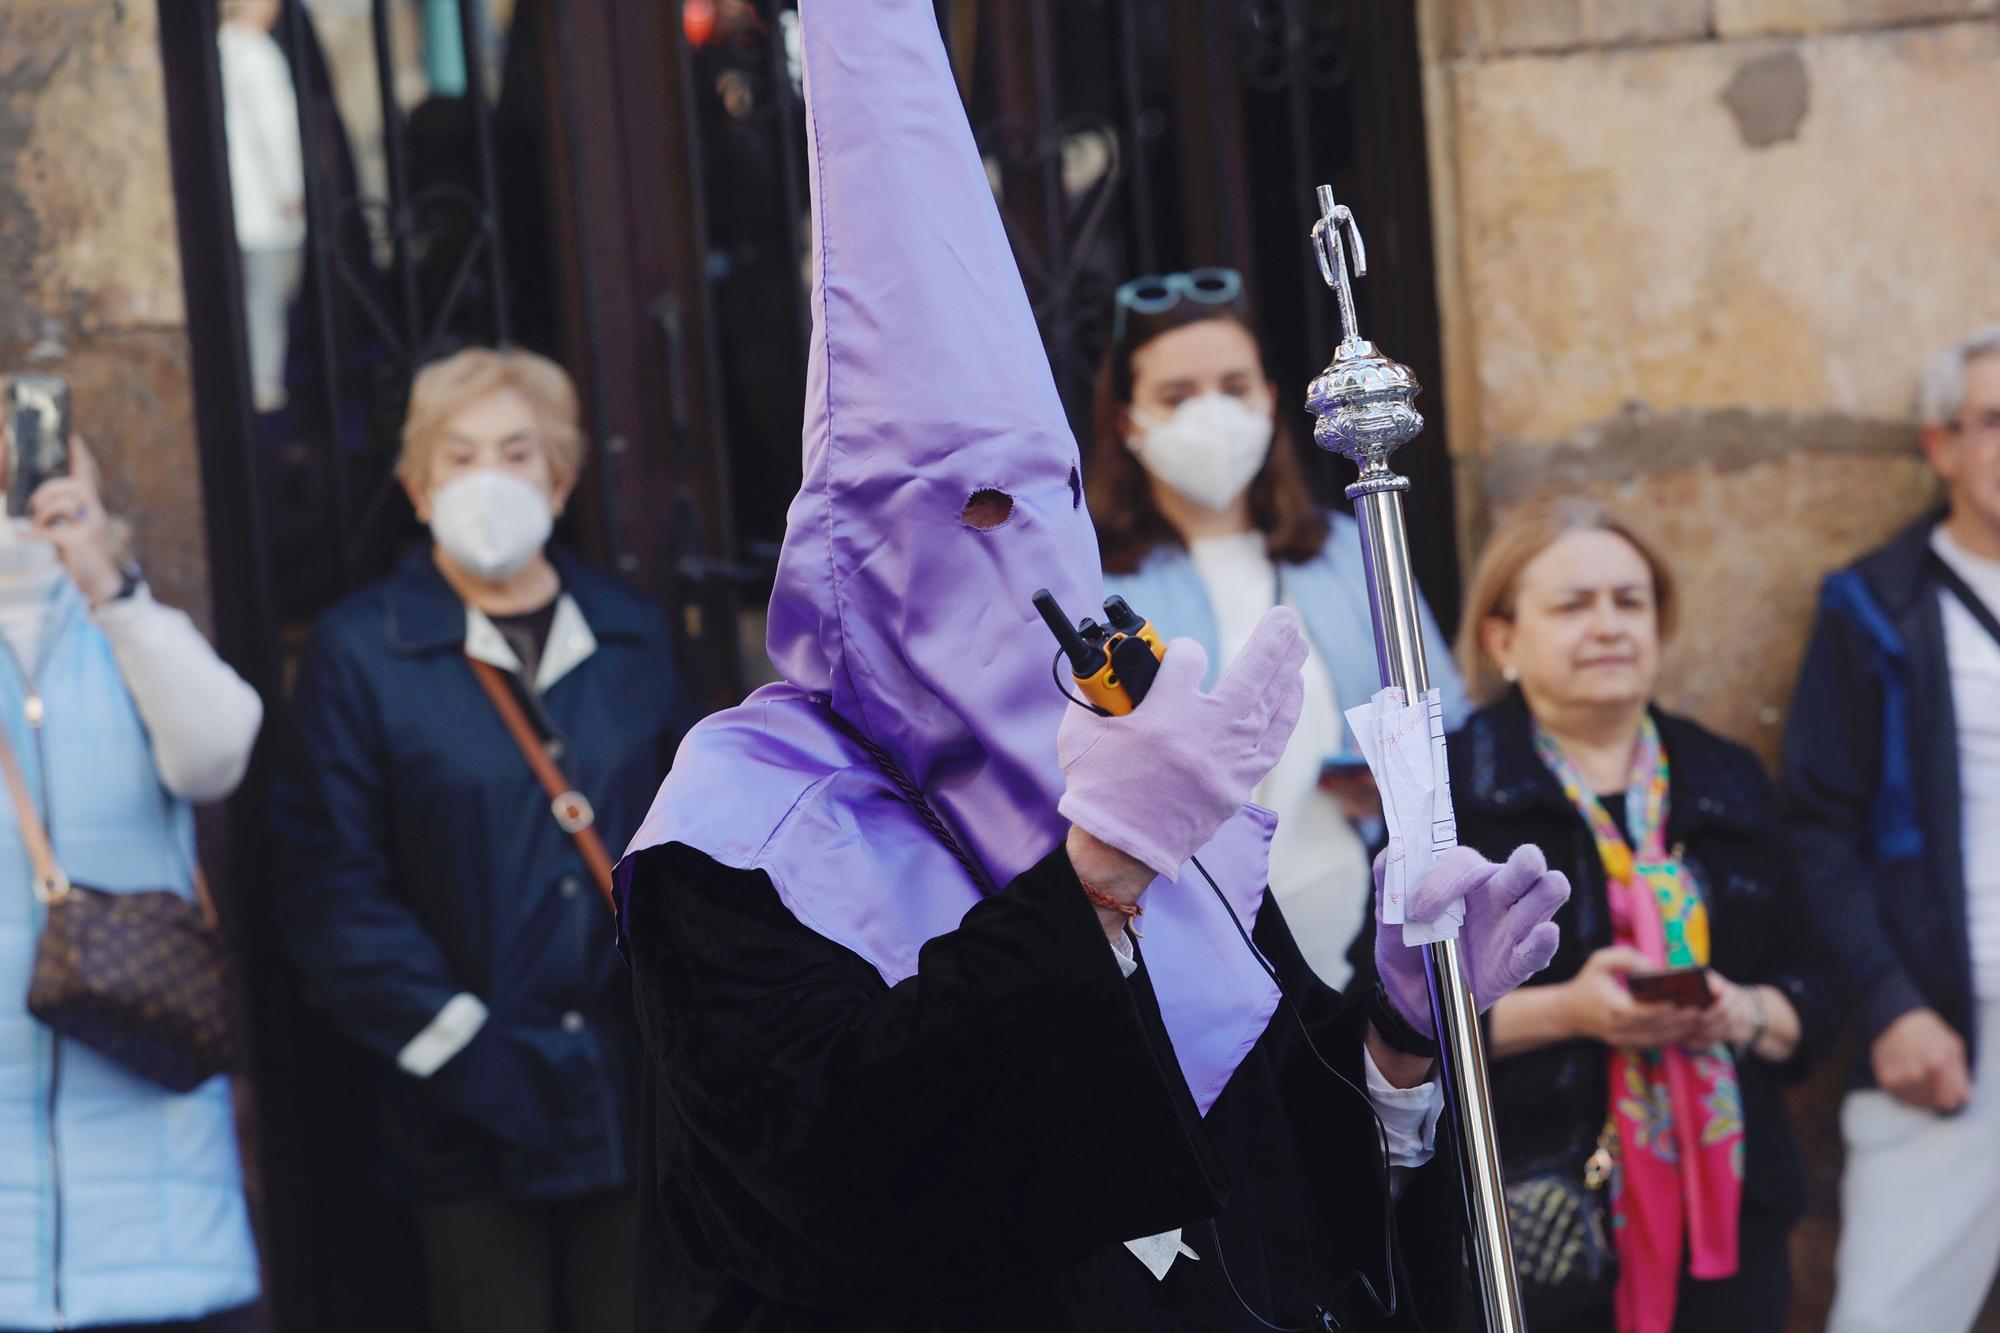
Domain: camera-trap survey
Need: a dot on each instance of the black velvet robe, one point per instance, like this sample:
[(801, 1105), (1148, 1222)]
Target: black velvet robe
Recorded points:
[(968, 1149)]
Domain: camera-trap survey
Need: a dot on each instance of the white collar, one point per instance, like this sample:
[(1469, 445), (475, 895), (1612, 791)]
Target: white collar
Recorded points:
[(570, 643)]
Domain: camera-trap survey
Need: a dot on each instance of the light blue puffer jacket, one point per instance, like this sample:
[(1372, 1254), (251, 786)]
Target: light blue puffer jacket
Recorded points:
[(119, 1202)]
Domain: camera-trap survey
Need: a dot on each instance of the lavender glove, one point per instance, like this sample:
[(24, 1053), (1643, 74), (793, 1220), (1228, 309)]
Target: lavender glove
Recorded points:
[(1507, 937), (1158, 782)]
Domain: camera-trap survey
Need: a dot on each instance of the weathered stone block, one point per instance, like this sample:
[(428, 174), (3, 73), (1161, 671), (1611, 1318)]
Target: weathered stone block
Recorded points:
[(1617, 22), (1495, 27), (1623, 240), (1735, 18), (87, 238), (1483, 28)]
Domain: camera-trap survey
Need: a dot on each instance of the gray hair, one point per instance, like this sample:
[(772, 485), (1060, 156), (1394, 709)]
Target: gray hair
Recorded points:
[(1941, 389)]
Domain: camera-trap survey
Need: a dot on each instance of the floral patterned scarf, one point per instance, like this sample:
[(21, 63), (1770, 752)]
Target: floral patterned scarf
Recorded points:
[(1677, 1113)]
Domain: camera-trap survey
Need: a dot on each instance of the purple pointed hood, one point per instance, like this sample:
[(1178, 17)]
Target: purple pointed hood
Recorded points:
[(927, 384)]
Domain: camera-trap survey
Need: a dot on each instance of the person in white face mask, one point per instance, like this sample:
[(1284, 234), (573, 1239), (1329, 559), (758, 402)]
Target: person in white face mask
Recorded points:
[(444, 900), (1205, 521)]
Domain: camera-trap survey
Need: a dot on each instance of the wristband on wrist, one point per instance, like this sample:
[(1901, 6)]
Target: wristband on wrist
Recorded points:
[(1749, 1048), (1397, 1031), (1099, 898), (130, 579)]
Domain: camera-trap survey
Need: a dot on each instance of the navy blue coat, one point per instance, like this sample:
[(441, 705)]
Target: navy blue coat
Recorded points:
[(419, 861), (1871, 791)]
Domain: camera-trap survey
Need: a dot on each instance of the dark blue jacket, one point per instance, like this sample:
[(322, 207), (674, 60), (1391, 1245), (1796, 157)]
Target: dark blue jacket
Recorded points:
[(419, 861), (1871, 792), (1723, 820)]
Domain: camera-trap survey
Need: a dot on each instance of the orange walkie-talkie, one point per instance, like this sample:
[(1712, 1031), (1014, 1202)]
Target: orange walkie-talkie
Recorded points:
[(1113, 664)]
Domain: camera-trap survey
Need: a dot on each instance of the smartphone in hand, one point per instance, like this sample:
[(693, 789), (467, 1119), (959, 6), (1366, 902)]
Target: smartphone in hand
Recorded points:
[(1683, 987), (37, 436), (1346, 764)]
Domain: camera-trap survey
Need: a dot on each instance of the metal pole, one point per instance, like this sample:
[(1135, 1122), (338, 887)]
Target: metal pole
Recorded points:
[(402, 217), (1365, 405), (472, 36)]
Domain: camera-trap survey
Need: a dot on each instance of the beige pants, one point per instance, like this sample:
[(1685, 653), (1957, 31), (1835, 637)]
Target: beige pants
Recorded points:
[(1920, 1206)]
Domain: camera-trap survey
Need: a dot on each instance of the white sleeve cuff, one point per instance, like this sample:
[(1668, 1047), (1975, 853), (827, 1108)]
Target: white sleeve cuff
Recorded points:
[(1128, 961), (1409, 1115), (121, 613), (450, 1032)]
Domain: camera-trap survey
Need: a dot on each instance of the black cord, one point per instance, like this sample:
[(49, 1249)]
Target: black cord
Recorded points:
[(1055, 670), (1323, 1322), (1387, 1309)]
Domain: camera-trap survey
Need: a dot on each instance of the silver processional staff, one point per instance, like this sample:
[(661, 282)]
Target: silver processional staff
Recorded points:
[(1365, 405)]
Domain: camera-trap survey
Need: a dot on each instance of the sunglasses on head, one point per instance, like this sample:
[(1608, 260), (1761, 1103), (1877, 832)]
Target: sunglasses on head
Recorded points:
[(1158, 293)]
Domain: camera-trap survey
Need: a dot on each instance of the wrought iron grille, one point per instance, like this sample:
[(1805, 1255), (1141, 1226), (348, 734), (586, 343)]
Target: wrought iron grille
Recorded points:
[(1124, 137), (405, 259)]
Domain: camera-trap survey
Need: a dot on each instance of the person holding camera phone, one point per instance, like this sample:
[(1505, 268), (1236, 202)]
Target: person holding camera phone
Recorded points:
[(124, 1200), (1671, 837), (1204, 518)]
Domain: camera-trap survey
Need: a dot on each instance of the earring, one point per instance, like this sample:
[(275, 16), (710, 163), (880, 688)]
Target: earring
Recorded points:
[(1510, 674)]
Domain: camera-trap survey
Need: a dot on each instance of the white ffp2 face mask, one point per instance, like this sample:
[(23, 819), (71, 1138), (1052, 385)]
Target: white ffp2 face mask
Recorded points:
[(1209, 450), (490, 522)]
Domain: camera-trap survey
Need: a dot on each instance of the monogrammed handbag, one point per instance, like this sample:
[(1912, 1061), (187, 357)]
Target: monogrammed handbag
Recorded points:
[(141, 978)]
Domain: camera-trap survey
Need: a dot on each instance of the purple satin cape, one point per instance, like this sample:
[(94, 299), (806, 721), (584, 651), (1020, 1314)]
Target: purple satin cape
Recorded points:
[(927, 383)]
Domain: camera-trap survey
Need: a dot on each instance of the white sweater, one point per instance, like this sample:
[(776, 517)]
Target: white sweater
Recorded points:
[(201, 716)]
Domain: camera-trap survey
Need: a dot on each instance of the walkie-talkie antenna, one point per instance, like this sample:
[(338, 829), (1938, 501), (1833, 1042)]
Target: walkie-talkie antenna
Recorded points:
[(1122, 617), (1082, 660)]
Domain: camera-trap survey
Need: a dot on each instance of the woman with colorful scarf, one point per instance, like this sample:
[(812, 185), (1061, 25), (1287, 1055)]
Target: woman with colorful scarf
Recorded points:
[(1669, 835)]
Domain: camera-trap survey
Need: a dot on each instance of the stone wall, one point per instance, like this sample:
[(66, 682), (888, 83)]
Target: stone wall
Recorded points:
[(1691, 252), (90, 278)]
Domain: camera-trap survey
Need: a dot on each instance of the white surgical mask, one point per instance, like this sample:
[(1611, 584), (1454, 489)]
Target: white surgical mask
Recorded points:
[(490, 522), (1209, 450)]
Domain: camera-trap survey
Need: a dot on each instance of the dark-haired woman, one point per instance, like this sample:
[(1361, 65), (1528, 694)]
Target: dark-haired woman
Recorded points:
[(1205, 522)]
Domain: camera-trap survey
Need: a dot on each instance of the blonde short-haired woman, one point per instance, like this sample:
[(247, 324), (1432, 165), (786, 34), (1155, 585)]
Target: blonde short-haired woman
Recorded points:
[(441, 913), (1669, 835)]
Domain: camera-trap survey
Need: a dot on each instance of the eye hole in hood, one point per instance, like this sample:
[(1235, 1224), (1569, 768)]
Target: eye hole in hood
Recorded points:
[(987, 509)]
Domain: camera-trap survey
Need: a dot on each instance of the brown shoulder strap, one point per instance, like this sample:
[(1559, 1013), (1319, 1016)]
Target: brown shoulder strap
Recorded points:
[(50, 882), (1969, 599), (572, 812), (203, 898)]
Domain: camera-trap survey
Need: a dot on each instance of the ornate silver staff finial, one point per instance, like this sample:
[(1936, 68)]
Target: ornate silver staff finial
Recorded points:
[(1365, 403), (1328, 245)]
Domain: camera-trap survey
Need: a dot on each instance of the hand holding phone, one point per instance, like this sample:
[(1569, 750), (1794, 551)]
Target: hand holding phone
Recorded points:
[(68, 512), (38, 436), (1682, 987), (1602, 1004), (1346, 778), (1345, 764)]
